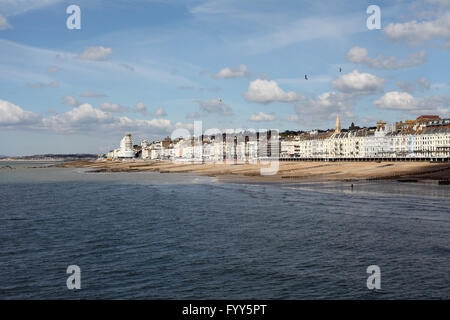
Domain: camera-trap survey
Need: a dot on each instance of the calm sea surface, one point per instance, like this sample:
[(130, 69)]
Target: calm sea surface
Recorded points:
[(176, 236)]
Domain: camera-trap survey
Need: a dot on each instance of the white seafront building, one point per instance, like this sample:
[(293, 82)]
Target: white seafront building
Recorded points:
[(426, 138), (125, 151), (419, 139)]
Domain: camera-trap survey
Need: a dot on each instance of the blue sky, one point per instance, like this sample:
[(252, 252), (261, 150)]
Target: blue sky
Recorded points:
[(149, 67)]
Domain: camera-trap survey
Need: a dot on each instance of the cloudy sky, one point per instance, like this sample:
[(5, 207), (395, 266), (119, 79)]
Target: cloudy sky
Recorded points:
[(148, 67)]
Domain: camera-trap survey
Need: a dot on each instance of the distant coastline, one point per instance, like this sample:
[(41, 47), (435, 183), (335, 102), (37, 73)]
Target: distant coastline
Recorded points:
[(31, 160), (50, 158), (304, 171)]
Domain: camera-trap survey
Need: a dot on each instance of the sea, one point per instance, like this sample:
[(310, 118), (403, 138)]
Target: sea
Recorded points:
[(180, 236)]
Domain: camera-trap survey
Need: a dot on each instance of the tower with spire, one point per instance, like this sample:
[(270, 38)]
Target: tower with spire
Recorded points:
[(338, 125)]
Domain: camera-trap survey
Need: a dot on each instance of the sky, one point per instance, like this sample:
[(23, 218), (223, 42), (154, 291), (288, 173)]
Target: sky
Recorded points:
[(149, 67)]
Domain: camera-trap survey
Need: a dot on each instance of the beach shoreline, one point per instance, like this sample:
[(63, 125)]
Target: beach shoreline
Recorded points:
[(288, 172)]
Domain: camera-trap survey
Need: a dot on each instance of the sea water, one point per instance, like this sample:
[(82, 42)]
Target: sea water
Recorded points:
[(180, 236)]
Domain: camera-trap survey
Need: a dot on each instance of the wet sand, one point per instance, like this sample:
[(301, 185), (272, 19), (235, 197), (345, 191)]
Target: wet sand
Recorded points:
[(305, 171)]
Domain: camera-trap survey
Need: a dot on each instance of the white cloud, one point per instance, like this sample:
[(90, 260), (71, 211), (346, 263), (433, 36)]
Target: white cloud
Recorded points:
[(316, 111), (95, 53), (71, 101), (292, 118), (10, 114), (88, 118), (261, 116), (214, 106), (15, 7), (112, 107), (415, 32), (140, 107), (160, 124), (188, 126), (92, 94), (153, 125), (404, 101), (81, 117), (193, 115), (233, 72), (325, 102), (52, 69), (23, 72), (160, 112), (50, 111), (38, 85), (395, 100), (358, 83), (421, 84), (406, 86), (53, 84), (361, 56), (288, 32), (4, 24), (267, 91)]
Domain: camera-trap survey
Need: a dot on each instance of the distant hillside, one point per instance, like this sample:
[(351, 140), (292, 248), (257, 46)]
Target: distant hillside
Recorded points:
[(57, 157), (2, 156)]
